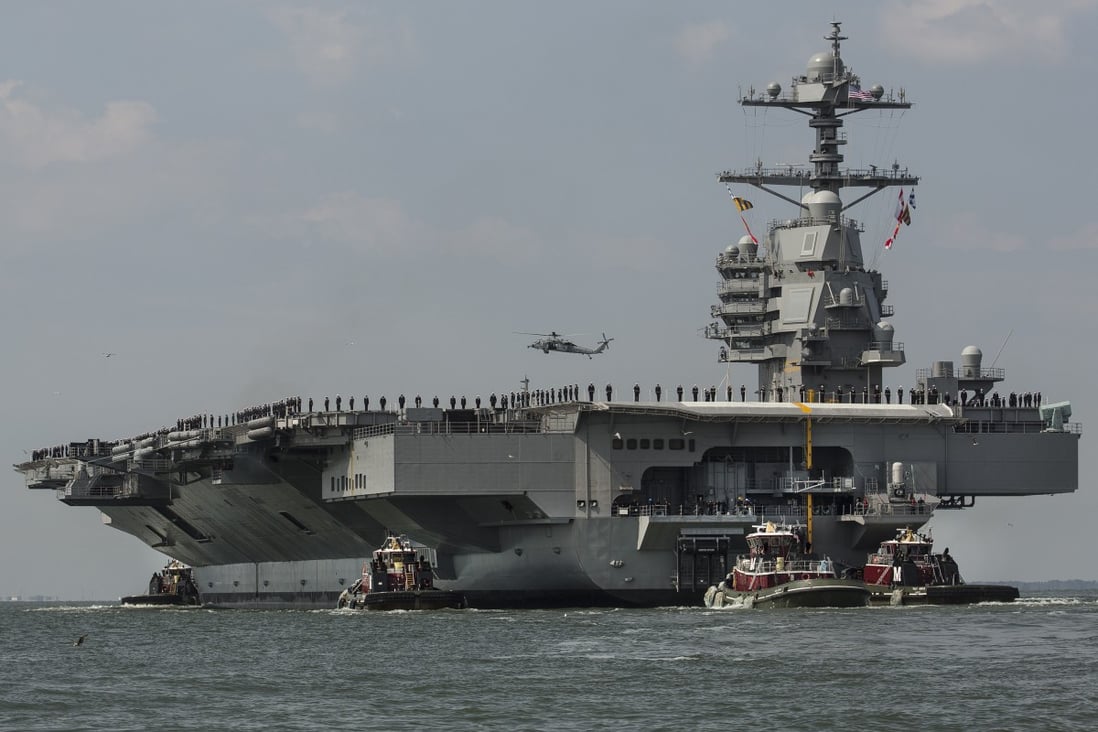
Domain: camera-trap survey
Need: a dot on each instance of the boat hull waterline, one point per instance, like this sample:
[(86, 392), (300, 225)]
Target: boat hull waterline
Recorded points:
[(409, 600), (963, 594), (161, 600), (837, 593)]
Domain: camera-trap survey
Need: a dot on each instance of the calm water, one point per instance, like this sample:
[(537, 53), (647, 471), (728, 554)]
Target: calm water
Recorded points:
[(1026, 666)]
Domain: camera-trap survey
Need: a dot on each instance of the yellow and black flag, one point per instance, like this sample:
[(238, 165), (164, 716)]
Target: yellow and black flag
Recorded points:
[(742, 204)]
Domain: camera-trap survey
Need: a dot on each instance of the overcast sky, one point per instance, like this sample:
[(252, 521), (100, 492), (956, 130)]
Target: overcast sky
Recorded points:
[(251, 200)]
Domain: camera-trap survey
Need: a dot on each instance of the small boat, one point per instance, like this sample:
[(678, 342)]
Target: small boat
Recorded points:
[(776, 573), (174, 585), (397, 578), (906, 571)]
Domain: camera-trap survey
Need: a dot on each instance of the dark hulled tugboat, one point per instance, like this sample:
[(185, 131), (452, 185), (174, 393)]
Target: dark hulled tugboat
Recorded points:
[(174, 585), (397, 578), (775, 573), (905, 571)]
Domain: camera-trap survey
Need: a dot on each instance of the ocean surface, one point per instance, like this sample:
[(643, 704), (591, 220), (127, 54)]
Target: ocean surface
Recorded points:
[(1030, 665)]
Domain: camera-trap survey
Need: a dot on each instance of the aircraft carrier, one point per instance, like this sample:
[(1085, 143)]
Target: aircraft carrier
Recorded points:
[(609, 495)]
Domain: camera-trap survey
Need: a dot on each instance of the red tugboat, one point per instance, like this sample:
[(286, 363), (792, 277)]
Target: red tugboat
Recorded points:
[(775, 573), (905, 570), (397, 578)]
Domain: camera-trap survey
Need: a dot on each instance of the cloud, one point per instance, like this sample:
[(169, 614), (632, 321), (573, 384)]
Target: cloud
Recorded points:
[(696, 43), (379, 225), (973, 233), (34, 137), (330, 48), (65, 175), (183, 183), (1083, 239), (382, 226), (970, 231), (978, 31)]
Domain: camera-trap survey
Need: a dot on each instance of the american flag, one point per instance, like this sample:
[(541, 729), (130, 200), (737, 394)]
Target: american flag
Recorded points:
[(856, 92)]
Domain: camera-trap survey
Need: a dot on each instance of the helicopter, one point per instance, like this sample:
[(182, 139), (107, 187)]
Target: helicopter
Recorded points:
[(554, 341)]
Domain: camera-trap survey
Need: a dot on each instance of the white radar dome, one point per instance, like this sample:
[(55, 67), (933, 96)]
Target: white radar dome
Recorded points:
[(824, 205), (825, 66)]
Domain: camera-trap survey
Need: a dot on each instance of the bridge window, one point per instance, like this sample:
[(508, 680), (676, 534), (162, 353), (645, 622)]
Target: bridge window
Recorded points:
[(645, 443), (617, 443), (657, 443), (676, 443), (631, 444), (808, 246)]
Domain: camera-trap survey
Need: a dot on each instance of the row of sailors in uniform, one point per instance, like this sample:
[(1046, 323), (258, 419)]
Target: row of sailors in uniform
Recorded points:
[(281, 408), (95, 447), (570, 393), (89, 448)]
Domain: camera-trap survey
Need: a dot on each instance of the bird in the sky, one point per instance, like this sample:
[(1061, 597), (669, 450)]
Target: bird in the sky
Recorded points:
[(109, 354), (80, 641)]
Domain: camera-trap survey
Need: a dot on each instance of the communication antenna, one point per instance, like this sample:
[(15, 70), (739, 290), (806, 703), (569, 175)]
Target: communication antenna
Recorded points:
[(1000, 353)]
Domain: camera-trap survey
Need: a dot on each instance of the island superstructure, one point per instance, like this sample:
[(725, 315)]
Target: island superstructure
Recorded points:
[(609, 494), (807, 312)]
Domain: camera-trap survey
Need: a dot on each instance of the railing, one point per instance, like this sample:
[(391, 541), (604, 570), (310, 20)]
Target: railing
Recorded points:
[(814, 221), (95, 490), (785, 170), (737, 331), (726, 260), (652, 509), (759, 513), (756, 307), (739, 285), (756, 565), (896, 346), (987, 427), (845, 321), (835, 485), (963, 373), (150, 465), (92, 487), (804, 174), (449, 428)]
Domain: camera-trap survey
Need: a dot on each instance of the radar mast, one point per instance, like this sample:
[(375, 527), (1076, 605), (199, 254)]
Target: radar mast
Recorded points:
[(806, 310)]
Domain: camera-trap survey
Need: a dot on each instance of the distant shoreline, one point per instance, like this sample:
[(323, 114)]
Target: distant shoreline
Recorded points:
[(1069, 584)]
